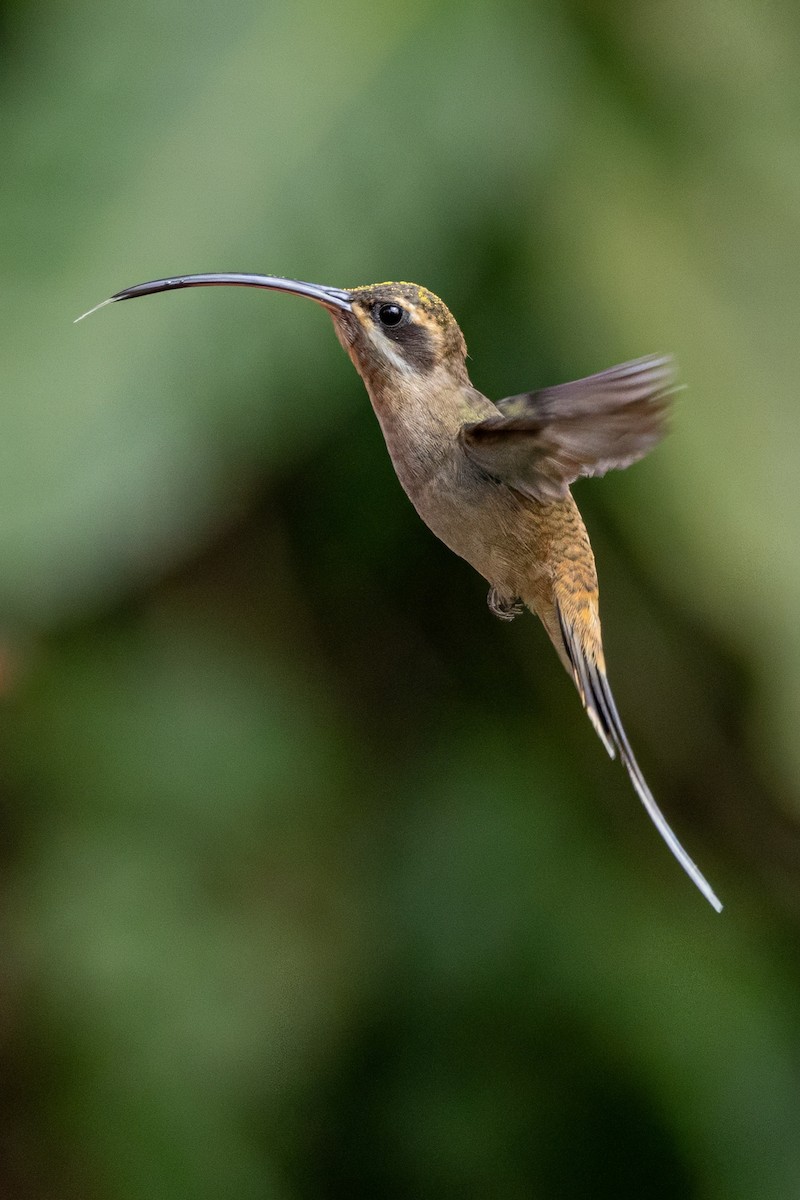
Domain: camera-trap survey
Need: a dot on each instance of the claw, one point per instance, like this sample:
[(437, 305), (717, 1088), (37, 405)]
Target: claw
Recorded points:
[(503, 607)]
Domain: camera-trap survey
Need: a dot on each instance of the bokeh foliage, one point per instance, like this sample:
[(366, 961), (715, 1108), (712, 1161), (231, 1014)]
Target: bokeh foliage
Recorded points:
[(316, 882)]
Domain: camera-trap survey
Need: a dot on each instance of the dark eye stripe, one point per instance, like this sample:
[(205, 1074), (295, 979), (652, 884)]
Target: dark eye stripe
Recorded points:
[(415, 342), (416, 345)]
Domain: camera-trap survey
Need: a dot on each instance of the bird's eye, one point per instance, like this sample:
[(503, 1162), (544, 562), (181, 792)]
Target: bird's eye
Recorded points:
[(391, 314)]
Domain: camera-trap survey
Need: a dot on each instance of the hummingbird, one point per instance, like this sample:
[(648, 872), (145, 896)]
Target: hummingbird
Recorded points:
[(492, 479)]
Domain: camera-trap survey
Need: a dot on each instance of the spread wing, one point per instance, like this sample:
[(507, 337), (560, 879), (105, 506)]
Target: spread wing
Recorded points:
[(540, 442)]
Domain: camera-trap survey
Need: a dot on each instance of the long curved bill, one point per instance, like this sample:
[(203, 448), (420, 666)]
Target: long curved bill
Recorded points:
[(332, 298)]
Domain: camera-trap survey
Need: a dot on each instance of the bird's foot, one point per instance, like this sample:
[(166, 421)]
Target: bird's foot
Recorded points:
[(503, 607)]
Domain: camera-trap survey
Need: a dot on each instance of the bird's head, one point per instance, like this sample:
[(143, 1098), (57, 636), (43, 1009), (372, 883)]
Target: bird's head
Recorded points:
[(400, 331)]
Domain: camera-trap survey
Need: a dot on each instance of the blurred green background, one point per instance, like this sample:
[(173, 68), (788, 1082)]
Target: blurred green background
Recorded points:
[(316, 881)]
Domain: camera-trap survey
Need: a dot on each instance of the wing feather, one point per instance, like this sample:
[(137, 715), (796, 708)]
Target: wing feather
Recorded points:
[(540, 442)]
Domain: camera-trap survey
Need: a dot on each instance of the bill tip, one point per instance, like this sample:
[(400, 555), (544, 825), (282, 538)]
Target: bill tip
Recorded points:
[(89, 311)]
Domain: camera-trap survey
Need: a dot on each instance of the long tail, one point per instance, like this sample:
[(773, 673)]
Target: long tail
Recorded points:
[(592, 683)]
